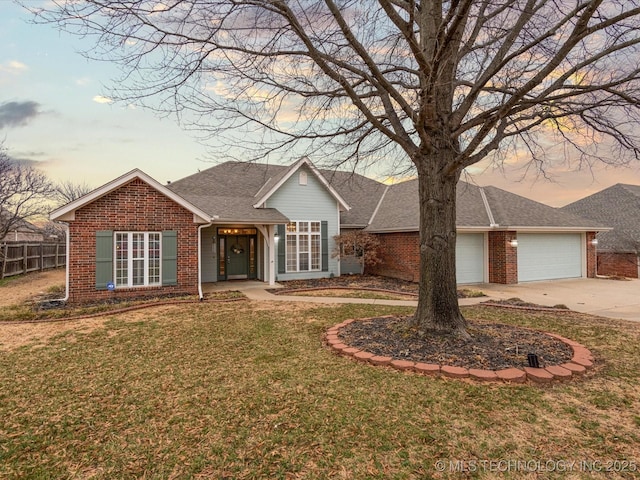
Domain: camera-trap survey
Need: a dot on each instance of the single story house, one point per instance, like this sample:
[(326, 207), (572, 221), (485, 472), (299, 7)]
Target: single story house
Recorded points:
[(134, 236), (618, 251)]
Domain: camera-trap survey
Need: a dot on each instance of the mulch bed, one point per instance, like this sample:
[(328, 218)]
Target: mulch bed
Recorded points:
[(516, 302), (492, 346), (351, 281), (355, 282)]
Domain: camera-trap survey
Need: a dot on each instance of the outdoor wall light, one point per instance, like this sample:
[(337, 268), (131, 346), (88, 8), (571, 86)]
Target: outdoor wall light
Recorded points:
[(513, 242), (594, 241), (276, 237)]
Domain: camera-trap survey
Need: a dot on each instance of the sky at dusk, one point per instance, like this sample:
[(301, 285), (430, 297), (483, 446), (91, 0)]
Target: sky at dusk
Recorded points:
[(54, 113)]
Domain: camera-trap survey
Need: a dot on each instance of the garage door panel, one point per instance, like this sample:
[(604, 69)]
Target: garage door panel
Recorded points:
[(470, 258), (549, 256)]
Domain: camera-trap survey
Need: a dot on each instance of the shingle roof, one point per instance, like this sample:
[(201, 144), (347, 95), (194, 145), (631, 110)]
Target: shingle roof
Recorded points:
[(228, 191), (617, 206), (511, 210), (360, 192), (399, 210), (232, 188)]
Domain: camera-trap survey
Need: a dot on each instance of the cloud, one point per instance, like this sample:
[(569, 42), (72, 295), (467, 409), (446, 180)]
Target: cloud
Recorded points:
[(18, 114), (13, 67), (101, 99)]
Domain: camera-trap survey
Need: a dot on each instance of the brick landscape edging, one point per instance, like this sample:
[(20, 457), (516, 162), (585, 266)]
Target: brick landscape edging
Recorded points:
[(121, 310), (581, 361)]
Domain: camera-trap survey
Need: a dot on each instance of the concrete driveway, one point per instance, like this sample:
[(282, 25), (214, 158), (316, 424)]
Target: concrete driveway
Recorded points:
[(596, 296)]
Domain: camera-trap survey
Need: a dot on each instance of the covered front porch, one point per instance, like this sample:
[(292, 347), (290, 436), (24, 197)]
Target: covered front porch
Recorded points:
[(237, 252)]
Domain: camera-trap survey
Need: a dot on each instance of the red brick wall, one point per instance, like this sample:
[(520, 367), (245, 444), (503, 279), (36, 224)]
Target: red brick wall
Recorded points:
[(618, 264), (400, 256), (133, 207), (591, 255), (503, 258)]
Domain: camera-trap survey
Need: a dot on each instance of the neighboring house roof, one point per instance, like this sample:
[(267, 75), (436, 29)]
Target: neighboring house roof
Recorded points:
[(617, 206), (476, 208), (67, 212), (20, 226)]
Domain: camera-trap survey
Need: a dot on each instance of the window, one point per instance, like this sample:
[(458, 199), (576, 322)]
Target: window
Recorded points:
[(137, 259), (303, 246)]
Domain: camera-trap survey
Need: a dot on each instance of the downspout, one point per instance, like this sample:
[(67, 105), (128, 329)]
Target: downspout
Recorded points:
[(207, 225), (67, 256)]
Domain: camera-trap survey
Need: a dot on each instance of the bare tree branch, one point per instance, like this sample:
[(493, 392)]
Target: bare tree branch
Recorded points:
[(24, 193), (434, 86)]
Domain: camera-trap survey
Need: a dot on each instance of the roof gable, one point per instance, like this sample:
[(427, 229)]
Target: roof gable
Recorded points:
[(67, 212), (275, 183)]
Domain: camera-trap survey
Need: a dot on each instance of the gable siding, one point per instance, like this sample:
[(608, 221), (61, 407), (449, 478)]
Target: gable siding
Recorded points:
[(136, 207), (309, 202)]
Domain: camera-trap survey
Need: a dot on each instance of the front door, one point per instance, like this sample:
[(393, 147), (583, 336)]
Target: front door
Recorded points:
[(237, 254), (237, 257)]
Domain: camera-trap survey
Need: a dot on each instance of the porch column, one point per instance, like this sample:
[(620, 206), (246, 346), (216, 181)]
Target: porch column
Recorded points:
[(271, 229)]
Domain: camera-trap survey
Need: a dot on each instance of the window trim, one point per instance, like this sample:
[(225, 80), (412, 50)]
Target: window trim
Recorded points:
[(146, 260), (311, 237)]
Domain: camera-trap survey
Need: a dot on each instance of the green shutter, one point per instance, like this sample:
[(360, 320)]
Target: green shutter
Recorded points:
[(104, 258), (282, 243), (324, 233), (169, 257)]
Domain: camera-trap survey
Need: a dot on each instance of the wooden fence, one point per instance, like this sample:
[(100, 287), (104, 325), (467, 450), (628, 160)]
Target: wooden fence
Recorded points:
[(23, 257)]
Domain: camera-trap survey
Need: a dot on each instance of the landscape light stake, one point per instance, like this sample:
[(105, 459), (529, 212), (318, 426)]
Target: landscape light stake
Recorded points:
[(533, 360)]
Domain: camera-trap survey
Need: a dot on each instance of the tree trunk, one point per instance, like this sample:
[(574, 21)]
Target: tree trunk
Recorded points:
[(438, 310)]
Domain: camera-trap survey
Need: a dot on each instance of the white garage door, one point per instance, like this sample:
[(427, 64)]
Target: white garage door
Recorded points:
[(470, 258), (549, 256)]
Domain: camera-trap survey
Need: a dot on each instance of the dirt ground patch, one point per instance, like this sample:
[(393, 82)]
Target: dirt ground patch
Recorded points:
[(24, 287)]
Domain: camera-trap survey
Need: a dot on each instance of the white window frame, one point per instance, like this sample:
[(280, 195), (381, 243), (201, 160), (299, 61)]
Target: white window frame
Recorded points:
[(306, 249), (148, 279)]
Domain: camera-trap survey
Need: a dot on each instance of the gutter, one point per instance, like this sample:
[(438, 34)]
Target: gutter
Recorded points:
[(206, 225)]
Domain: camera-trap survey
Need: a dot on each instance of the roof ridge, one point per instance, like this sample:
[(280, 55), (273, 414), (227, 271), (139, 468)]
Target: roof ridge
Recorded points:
[(492, 220), (375, 212)]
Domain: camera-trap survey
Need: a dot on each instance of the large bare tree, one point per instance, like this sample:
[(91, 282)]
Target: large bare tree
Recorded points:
[(24, 193), (439, 85)]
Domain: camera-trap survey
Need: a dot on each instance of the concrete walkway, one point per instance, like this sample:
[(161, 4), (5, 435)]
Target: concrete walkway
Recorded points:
[(255, 290), (602, 297)]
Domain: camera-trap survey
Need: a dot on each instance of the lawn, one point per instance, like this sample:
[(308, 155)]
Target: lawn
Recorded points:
[(247, 390)]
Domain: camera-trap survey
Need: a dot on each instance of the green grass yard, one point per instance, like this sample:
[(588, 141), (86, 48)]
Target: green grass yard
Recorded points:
[(247, 390)]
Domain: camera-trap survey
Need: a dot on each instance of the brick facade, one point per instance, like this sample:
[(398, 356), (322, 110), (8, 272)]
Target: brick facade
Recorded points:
[(591, 255), (503, 258), (618, 264), (135, 207), (400, 257)]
